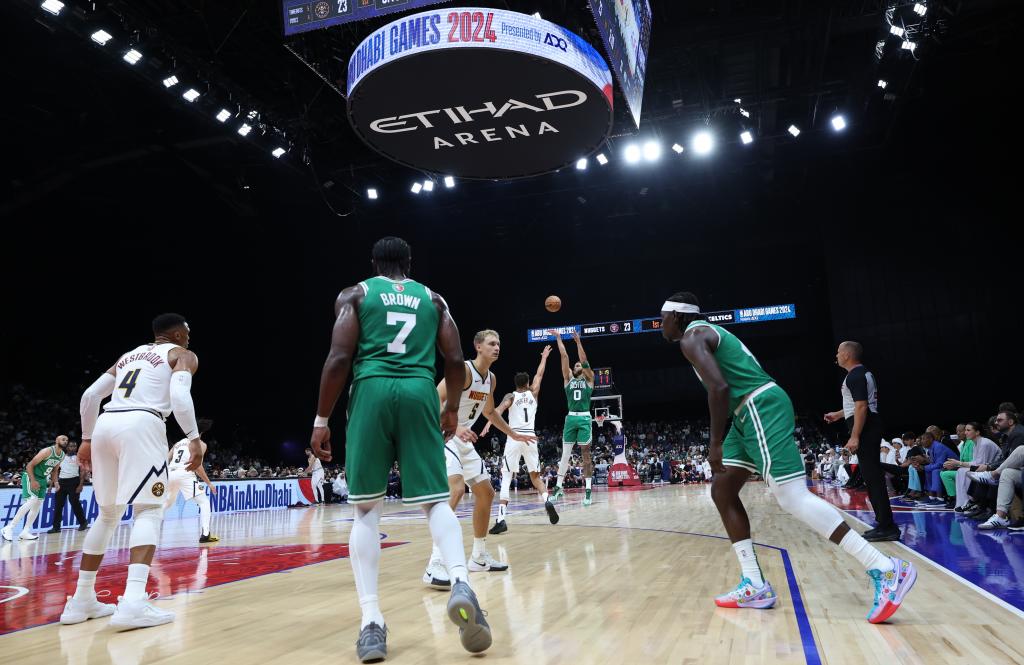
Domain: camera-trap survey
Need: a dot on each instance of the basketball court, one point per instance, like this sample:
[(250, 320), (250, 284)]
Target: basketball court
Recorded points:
[(628, 579)]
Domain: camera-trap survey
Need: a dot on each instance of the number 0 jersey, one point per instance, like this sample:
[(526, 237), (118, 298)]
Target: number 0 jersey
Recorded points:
[(578, 393), (397, 330), (522, 415), (471, 402), (142, 381)]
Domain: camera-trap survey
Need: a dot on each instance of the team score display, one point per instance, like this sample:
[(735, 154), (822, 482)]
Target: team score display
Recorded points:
[(650, 324), (471, 27), (603, 377)]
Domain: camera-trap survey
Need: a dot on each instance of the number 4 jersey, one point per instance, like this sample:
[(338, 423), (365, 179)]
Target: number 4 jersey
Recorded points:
[(142, 381), (397, 330)]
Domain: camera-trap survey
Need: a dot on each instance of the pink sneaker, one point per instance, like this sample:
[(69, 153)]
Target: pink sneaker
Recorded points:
[(747, 595), (891, 588)]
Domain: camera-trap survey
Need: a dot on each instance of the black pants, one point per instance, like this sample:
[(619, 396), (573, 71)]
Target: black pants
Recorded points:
[(66, 490), (899, 476), (983, 495), (870, 469)]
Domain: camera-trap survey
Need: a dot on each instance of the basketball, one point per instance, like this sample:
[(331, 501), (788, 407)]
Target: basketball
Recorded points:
[(553, 303)]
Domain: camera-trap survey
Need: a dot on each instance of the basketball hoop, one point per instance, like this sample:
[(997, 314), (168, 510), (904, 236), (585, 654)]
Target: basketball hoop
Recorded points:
[(600, 420)]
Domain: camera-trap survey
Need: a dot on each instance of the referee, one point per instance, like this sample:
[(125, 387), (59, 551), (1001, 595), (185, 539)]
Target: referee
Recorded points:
[(70, 482), (860, 410)]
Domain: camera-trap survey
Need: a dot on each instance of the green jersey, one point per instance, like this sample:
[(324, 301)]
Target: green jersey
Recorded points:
[(43, 469), (738, 365), (397, 330), (578, 392)]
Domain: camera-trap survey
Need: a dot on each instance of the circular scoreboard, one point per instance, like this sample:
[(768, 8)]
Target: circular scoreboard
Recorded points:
[(479, 93)]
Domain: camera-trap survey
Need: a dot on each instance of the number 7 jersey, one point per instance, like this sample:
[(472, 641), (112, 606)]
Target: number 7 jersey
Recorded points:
[(397, 330), (142, 381)]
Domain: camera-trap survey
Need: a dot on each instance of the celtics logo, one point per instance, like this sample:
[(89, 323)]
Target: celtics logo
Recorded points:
[(398, 287)]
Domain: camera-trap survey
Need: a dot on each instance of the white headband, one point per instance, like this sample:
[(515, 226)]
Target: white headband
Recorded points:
[(681, 307)]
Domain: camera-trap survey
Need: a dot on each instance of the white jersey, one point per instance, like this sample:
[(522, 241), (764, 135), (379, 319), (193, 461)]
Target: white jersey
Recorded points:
[(522, 415), (473, 398), (142, 381), (180, 456), (317, 466)]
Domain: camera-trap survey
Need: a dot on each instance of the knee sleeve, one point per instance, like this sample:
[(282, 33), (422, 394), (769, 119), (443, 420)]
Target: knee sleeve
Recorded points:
[(815, 512), (563, 464), (102, 530), (146, 529)]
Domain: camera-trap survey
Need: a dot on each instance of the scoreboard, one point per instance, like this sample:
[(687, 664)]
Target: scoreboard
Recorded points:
[(306, 15), (603, 377), (636, 326)]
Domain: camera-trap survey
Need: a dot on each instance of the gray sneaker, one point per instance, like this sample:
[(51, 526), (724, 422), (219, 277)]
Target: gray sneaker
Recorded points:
[(372, 645), (465, 612)]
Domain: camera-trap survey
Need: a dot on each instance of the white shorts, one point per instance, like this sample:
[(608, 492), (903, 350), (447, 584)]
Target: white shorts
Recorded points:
[(463, 460), (186, 482), (129, 459), (516, 449)]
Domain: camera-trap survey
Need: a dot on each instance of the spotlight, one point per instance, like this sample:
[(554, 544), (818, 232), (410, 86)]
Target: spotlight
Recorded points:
[(838, 123), (896, 30), (223, 115), (371, 194), (632, 153), (428, 185), (677, 148), (920, 9), (882, 83), (581, 164), (703, 143), (745, 113), (601, 159), (747, 137), (244, 129), (449, 181), (170, 81), (101, 37), (132, 57), (277, 152), (52, 6), (652, 151), (191, 95), (738, 100), (417, 188), (909, 45), (794, 130)]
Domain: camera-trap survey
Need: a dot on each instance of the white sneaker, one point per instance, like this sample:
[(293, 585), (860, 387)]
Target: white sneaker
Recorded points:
[(995, 522), (131, 614), (486, 562), (7, 532), (28, 535), (983, 477), (436, 576), (77, 611)]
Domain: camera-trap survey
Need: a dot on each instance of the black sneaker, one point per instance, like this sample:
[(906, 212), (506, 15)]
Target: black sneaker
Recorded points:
[(977, 510), (209, 538), (53, 531), (870, 532), (552, 513), (372, 645), (981, 515), (499, 527), (881, 535), (84, 527)]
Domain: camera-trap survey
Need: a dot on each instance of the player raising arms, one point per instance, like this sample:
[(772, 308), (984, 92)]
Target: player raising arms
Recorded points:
[(194, 485), (387, 331), (761, 440), (522, 418), (579, 386)]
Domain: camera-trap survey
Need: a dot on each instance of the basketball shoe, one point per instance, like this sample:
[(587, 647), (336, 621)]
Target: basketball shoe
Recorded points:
[(747, 595), (891, 588)]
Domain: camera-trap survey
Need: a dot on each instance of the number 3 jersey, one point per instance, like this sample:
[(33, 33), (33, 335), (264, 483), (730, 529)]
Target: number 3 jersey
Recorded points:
[(397, 330), (142, 381), (180, 456)]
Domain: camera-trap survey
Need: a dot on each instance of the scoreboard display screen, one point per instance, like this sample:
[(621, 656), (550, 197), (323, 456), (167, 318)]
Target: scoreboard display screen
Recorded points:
[(306, 15), (602, 377)]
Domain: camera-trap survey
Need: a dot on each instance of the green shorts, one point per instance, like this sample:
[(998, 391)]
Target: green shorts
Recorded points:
[(577, 430), (26, 489), (395, 419), (761, 437)]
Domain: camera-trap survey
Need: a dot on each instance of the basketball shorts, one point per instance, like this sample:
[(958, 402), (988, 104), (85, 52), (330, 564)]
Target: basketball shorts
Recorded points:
[(517, 449), (129, 459), (761, 437), (395, 419), (462, 459), (577, 430), (186, 482), (26, 488)]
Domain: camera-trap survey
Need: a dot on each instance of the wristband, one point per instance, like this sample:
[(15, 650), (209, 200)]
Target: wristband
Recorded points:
[(320, 421), (585, 365)]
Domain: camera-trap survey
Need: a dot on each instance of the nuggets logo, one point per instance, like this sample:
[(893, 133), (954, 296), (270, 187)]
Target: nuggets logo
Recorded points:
[(614, 327), (158, 489), (398, 287), (322, 9), (477, 396)]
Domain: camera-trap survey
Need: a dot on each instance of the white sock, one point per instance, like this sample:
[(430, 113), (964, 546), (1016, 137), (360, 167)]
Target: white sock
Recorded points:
[(479, 547), (204, 513), (861, 550), (435, 554), (502, 509), (560, 478), (86, 589), (587, 481), (749, 566), (544, 497), (364, 552), (138, 575), (29, 510), (447, 534)]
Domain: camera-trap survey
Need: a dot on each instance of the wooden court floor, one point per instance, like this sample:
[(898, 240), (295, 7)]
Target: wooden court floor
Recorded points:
[(627, 580)]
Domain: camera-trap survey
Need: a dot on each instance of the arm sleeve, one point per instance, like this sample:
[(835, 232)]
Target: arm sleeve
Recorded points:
[(857, 382), (181, 404), (89, 408)]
